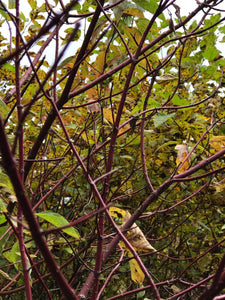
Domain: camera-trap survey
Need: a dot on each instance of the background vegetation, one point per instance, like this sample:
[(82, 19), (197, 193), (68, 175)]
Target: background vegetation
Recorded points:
[(132, 118)]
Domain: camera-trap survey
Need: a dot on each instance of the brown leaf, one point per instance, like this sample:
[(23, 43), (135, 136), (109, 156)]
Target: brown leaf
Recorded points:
[(136, 237)]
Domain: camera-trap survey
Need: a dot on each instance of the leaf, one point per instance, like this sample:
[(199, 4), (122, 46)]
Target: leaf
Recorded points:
[(9, 67), (181, 155), (119, 8), (33, 3), (137, 274), (117, 213), (210, 53), (3, 109), (133, 34), (2, 221), (134, 235), (134, 12), (58, 221), (149, 5), (93, 108), (220, 187), (166, 78), (12, 4), (5, 181), (2, 206), (161, 118), (108, 117), (65, 62), (217, 142), (204, 226), (178, 101), (5, 275), (13, 255)]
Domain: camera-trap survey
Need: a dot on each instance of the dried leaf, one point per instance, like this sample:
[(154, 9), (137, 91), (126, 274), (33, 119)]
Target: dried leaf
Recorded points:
[(136, 237), (181, 155), (5, 275), (93, 108)]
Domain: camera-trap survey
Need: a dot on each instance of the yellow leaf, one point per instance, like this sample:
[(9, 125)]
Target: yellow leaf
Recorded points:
[(181, 155), (133, 34), (137, 274), (108, 117), (217, 142), (92, 93), (134, 12), (117, 213)]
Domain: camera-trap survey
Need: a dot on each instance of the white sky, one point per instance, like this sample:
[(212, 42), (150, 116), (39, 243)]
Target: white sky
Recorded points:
[(186, 6)]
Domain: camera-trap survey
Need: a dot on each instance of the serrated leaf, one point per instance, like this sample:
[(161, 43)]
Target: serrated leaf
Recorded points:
[(58, 221), (162, 118)]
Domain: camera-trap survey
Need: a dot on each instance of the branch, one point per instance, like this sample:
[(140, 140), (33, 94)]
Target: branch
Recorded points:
[(10, 167)]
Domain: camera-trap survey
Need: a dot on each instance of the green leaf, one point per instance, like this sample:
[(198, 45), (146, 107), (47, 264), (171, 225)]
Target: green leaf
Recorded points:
[(210, 53), (58, 221), (12, 4), (162, 118), (149, 5), (2, 221), (22, 17), (178, 101), (33, 3), (2, 207), (65, 61), (9, 67), (3, 109), (5, 182), (203, 225), (13, 255), (2, 12)]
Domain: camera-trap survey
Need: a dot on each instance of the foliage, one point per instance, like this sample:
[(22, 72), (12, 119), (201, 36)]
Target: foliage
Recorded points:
[(105, 105)]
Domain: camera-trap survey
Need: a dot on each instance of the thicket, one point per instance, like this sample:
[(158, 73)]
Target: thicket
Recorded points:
[(126, 133)]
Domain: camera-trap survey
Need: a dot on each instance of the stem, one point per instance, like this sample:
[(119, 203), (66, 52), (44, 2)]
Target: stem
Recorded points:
[(21, 161), (10, 167)]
